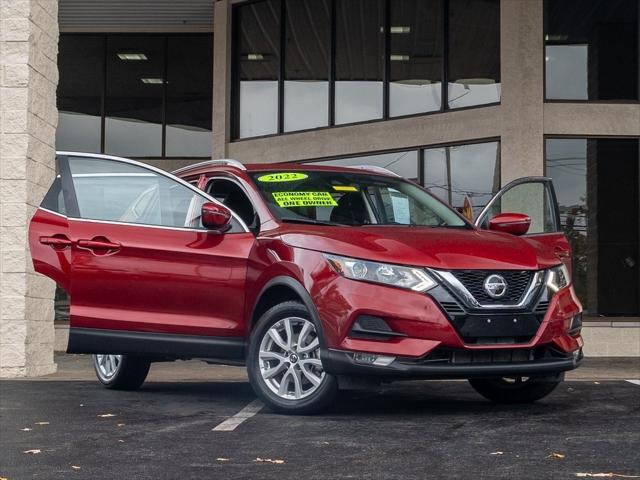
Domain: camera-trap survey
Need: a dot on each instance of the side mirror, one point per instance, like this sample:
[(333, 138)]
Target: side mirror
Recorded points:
[(215, 217), (513, 223)]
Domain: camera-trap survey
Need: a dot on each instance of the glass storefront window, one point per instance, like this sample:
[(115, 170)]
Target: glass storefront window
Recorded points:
[(306, 85), (303, 64), (416, 57), (258, 64), (591, 51), (133, 103), (189, 96), (80, 93), (465, 176), (404, 164), (474, 73), (359, 61), (597, 182), (135, 95)]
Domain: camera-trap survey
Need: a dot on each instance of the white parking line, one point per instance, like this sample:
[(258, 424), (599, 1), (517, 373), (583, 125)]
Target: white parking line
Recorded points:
[(635, 382), (247, 412)]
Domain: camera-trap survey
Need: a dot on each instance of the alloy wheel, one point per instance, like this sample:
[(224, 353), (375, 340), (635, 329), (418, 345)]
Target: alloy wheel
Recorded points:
[(107, 365), (289, 358)]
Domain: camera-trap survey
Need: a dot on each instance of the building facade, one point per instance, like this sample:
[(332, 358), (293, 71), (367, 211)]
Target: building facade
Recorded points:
[(462, 96)]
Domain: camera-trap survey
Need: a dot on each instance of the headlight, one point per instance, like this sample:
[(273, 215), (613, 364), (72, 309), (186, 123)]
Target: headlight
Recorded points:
[(414, 279), (558, 277)]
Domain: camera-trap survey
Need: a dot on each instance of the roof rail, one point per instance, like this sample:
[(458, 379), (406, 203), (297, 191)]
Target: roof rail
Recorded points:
[(212, 163), (375, 168)]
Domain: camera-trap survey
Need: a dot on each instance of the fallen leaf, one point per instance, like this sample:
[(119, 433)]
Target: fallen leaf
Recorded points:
[(222, 459), (106, 415), (557, 456), (41, 423), (33, 451), (597, 383), (75, 467), (120, 424), (4, 478), (25, 429), (606, 475), (496, 453), (120, 441), (82, 404), (277, 461)]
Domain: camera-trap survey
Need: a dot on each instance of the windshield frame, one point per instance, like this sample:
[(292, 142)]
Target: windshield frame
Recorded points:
[(252, 177)]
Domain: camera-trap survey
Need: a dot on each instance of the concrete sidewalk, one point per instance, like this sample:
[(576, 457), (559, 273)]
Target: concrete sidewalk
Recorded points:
[(80, 368)]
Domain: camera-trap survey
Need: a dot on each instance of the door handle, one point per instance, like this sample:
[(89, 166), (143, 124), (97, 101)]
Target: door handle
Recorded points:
[(56, 242), (99, 244)]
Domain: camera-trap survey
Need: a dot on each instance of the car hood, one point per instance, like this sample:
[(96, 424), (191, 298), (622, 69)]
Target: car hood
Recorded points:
[(434, 247)]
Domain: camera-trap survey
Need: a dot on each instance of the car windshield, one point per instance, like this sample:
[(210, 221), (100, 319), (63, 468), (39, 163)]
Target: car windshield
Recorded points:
[(351, 198)]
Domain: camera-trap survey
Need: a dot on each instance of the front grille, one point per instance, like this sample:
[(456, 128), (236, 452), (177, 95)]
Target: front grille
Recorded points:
[(490, 356), (517, 283)]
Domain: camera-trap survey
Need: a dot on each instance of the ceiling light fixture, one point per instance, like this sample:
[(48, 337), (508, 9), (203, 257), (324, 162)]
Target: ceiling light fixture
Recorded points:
[(255, 57), (127, 56), (152, 81), (400, 29), (399, 58)]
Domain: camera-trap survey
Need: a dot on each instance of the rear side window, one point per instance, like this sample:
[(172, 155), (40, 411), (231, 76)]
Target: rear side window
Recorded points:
[(54, 199)]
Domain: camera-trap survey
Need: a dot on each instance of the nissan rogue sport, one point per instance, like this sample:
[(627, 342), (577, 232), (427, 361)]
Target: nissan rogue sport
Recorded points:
[(315, 277)]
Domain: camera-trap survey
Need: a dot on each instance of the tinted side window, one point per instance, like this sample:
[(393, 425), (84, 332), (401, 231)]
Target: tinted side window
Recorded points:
[(116, 191), (54, 199)]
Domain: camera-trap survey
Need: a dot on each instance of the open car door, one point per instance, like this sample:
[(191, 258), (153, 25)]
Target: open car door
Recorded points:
[(535, 197)]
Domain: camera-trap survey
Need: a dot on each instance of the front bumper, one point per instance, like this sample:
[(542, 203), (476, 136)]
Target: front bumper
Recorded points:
[(339, 362)]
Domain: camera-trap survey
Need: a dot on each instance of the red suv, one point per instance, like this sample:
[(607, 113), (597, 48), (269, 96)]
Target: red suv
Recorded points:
[(315, 277)]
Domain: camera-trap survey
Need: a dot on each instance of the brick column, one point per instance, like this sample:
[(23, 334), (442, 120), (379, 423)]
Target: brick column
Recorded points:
[(28, 119)]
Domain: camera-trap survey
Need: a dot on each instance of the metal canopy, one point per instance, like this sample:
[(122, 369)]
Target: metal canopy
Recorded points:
[(135, 15)]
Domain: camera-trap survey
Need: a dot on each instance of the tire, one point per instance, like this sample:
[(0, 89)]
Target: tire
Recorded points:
[(287, 377), (121, 372), (514, 390)]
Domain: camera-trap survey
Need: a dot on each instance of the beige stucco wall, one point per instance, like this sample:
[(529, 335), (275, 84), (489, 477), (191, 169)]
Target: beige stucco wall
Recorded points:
[(28, 118)]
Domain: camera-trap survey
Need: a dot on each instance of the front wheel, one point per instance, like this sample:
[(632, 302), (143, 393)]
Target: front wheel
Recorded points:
[(514, 390), (283, 362), (121, 372)]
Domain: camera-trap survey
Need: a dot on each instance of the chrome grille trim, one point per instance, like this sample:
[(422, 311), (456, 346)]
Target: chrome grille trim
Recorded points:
[(450, 280)]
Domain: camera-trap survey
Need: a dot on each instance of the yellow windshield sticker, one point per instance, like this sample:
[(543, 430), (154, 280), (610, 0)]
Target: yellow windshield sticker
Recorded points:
[(304, 199), (344, 188), (282, 177)]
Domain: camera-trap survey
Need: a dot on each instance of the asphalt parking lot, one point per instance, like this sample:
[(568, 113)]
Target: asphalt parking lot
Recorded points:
[(71, 427)]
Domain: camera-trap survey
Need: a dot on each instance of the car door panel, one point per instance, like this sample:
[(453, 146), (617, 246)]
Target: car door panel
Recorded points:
[(136, 258), (534, 196), (50, 246), (159, 280)]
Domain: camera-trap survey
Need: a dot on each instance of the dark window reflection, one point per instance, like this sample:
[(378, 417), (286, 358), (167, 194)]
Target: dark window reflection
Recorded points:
[(416, 56), (597, 186), (257, 57), (133, 125), (474, 52), (591, 49), (359, 60), (80, 63), (465, 176), (189, 96), (306, 85)]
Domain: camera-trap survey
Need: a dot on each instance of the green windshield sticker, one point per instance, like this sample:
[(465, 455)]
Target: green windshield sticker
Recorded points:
[(304, 199), (282, 177)]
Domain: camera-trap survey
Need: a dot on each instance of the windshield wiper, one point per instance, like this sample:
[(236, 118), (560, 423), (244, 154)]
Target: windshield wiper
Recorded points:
[(310, 221)]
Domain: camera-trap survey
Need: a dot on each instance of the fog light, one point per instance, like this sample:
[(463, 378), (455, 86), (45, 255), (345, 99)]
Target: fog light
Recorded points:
[(372, 359)]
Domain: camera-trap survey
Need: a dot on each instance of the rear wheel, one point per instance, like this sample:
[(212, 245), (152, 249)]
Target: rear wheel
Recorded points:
[(515, 389), (121, 372), (284, 364)]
